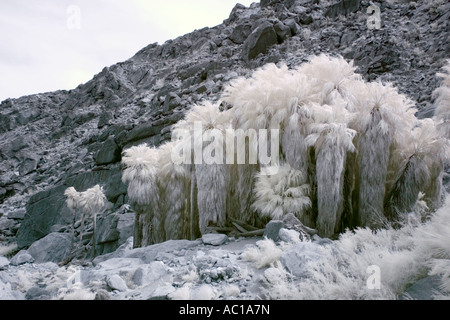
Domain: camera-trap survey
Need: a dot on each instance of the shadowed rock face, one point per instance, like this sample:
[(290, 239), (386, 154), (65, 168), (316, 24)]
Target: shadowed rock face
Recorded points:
[(54, 140)]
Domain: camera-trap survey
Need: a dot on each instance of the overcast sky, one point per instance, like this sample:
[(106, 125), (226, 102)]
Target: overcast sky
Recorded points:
[(47, 45)]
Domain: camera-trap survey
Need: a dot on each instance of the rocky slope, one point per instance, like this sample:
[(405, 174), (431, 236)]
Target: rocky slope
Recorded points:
[(51, 141)]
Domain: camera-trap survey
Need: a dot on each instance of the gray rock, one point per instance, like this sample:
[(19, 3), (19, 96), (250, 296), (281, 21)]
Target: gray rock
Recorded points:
[(140, 132), (21, 257), (162, 293), (149, 253), (125, 226), (102, 295), (19, 143), (214, 239), (28, 165), (171, 101), (266, 3), (54, 247), (44, 209), (259, 41), (104, 119), (292, 24), (109, 153), (37, 293), (295, 259), (343, 7), (240, 33), (148, 273), (6, 293), (273, 229), (423, 289), (283, 31), (107, 228), (17, 214), (4, 262), (6, 225), (290, 221), (115, 282)]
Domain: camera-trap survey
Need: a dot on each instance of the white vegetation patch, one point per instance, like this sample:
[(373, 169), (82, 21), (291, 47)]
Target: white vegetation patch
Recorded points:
[(403, 256), (263, 254), (191, 276), (76, 292), (442, 102), (140, 173), (281, 193), (91, 203)]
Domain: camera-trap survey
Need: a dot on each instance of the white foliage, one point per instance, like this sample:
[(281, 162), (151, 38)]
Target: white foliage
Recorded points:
[(441, 267), (263, 254), (281, 193), (191, 276), (357, 150), (183, 293), (140, 173), (232, 290), (373, 158), (93, 200), (403, 256), (331, 143), (442, 102), (204, 292), (72, 198), (174, 186)]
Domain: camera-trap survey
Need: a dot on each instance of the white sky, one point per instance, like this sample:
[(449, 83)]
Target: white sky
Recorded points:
[(47, 45)]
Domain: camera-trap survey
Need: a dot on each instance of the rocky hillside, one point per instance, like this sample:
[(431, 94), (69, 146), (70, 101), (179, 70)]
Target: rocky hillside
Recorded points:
[(55, 140)]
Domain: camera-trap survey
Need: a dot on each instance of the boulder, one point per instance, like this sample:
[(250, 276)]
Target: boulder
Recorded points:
[(115, 282), (4, 262), (18, 214), (44, 209), (240, 33), (272, 229), (148, 273), (297, 257), (423, 289), (214, 239), (6, 293), (259, 41), (54, 247), (113, 229), (21, 257), (104, 119), (37, 293), (109, 153), (28, 165), (7, 226), (283, 31)]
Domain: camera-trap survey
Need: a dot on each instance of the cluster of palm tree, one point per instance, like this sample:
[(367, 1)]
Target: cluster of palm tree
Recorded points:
[(351, 154), (87, 204)]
